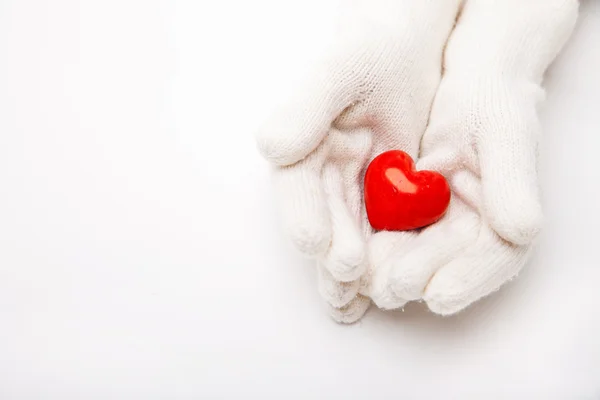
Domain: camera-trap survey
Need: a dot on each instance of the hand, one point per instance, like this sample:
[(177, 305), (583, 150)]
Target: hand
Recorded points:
[(483, 136), (371, 94)]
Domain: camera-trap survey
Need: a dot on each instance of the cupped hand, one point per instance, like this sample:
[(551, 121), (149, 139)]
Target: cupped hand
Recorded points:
[(372, 93), (483, 136)]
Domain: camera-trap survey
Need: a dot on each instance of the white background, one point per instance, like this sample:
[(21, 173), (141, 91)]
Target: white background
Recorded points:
[(140, 256)]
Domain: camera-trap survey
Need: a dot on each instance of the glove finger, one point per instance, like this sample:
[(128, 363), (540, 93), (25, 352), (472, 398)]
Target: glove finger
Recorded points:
[(481, 270), (298, 127), (345, 259), (380, 247), (353, 156), (351, 152), (411, 266), (302, 203), (352, 311), (336, 293), (385, 243), (507, 149)]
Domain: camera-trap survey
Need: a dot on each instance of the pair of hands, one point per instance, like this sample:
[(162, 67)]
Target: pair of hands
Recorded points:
[(454, 83)]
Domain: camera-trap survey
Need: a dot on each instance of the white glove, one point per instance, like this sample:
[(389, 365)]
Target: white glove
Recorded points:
[(483, 136), (371, 94)]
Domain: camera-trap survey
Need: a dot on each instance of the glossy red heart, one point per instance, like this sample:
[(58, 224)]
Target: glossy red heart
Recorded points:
[(400, 198)]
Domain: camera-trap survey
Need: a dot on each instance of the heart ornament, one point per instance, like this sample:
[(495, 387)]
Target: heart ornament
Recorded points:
[(400, 198)]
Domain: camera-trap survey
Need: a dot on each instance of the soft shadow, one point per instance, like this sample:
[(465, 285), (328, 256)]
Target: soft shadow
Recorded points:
[(417, 323)]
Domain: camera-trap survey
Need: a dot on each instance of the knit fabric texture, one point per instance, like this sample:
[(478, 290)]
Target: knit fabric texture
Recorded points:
[(456, 84)]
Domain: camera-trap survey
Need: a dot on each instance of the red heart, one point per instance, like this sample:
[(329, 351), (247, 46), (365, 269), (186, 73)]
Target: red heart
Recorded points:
[(399, 198)]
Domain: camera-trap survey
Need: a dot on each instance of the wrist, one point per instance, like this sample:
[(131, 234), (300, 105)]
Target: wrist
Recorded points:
[(512, 40)]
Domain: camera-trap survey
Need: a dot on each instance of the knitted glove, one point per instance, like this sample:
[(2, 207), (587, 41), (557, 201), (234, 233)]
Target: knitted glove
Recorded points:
[(372, 93), (483, 136)]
